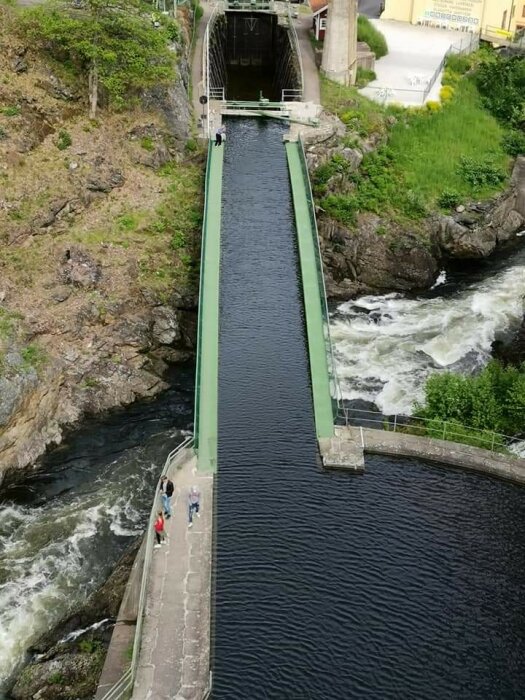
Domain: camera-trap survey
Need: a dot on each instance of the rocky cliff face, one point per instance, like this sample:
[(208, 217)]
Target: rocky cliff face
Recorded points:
[(477, 230), (99, 244)]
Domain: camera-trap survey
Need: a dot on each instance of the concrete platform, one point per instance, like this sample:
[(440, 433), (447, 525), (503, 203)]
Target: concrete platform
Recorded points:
[(414, 54), (441, 452), (174, 661), (343, 451)]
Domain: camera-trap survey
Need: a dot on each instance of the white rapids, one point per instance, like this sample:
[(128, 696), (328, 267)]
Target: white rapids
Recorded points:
[(386, 346)]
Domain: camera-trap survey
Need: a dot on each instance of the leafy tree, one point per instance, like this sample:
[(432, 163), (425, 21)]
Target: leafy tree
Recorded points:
[(493, 400), (501, 82), (111, 44)]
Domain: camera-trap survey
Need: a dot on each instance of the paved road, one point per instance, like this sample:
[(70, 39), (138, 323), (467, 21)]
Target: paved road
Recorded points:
[(370, 8)]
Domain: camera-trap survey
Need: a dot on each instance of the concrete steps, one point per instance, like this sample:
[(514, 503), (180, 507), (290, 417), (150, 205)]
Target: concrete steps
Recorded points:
[(343, 451)]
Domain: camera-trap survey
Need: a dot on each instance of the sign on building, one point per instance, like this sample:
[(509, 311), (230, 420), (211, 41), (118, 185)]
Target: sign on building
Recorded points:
[(464, 15)]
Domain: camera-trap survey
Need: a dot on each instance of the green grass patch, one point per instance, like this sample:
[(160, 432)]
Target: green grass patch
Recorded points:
[(436, 151), (368, 33), (364, 76), (11, 111)]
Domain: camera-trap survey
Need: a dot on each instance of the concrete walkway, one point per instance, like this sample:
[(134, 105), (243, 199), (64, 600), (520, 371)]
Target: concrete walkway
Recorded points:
[(174, 662), (414, 54), (311, 86), (441, 452)]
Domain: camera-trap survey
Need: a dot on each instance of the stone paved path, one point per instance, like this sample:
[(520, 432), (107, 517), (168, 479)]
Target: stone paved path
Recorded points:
[(175, 654)]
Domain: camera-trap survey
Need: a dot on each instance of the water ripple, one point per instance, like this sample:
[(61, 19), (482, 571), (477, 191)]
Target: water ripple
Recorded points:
[(405, 583)]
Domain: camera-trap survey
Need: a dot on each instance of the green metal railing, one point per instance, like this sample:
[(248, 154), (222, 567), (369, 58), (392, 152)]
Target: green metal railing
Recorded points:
[(200, 314), (335, 390)]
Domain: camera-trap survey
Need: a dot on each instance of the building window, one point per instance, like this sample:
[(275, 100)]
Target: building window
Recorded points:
[(322, 24), (523, 11)]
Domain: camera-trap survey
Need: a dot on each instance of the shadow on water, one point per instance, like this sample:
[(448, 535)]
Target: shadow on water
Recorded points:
[(63, 526), (404, 583)]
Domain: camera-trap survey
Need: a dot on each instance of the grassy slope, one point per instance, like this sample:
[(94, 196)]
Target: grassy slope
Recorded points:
[(428, 152), (426, 146)]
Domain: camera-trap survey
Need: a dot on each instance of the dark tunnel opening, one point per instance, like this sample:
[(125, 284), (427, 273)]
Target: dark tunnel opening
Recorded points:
[(253, 54)]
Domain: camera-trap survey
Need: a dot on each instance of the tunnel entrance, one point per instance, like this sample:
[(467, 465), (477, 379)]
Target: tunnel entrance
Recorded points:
[(253, 53)]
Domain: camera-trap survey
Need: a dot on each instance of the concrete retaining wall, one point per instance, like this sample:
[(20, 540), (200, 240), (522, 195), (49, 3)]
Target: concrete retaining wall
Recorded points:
[(442, 452)]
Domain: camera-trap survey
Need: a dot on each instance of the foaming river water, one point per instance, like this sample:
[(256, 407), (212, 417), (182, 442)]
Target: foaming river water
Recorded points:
[(386, 346), (63, 528), (406, 582)]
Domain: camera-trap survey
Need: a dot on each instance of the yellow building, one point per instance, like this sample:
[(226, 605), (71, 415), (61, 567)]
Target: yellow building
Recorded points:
[(479, 16)]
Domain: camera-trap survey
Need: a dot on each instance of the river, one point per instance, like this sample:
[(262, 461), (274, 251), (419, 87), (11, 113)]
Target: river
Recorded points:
[(386, 346), (63, 527)]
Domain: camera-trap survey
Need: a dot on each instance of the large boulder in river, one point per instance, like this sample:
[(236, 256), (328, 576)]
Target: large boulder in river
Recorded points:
[(371, 259), (458, 241)]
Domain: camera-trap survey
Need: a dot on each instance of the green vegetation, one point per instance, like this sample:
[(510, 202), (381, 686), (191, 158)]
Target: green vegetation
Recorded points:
[(364, 76), (90, 646), (33, 357), (56, 678), (501, 82), (11, 111), (147, 143), (113, 46), (64, 140), (493, 400), (433, 156), (368, 33), (171, 254)]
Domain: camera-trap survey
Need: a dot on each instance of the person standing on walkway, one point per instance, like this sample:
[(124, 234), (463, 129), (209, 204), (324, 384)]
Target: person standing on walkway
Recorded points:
[(166, 488), (194, 498), (160, 533), (219, 135)]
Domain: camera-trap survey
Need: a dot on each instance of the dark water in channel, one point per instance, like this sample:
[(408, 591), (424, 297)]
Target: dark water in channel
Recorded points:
[(404, 583)]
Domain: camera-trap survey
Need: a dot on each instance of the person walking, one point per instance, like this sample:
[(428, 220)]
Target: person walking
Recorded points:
[(166, 489), (160, 533), (219, 134), (194, 498)]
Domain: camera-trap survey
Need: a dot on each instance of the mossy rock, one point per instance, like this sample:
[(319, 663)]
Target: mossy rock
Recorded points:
[(65, 677)]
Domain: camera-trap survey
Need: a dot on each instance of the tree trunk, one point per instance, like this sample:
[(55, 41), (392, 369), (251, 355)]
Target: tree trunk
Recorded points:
[(93, 90)]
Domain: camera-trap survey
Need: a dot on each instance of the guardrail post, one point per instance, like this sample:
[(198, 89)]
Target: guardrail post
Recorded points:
[(362, 437), (493, 440), (444, 430), (395, 422)]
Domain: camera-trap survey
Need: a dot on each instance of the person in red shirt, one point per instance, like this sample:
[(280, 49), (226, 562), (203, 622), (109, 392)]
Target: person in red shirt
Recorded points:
[(160, 533)]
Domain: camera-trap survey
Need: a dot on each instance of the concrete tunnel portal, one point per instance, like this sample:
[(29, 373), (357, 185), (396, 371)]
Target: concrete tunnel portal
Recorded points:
[(251, 53)]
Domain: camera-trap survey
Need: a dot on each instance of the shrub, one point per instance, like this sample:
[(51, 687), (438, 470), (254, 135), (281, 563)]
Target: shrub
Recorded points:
[(446, 93), (449, 199), (364, 76), (340, 207), (191, 145), (514, 142), (450, 77), (433, 106), (493, 400), (64, 140), (501, 81), (480, 173), (368, 33), (458, 64), (12, 111), (147, 143)]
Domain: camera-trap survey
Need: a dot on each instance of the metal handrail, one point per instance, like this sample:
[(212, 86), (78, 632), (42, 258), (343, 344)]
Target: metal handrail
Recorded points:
[(297, 48), (196, 404), (206, 61), (332, 371), (401, 422), (125, 683)]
